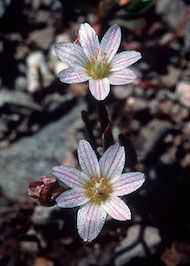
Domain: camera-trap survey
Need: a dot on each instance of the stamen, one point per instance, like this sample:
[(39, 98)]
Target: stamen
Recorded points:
[(98, 189), (98, 70), (98, 67)]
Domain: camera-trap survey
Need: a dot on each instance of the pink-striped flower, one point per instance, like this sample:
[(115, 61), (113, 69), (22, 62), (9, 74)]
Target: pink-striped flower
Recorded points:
[(97, 188), (97, 62)]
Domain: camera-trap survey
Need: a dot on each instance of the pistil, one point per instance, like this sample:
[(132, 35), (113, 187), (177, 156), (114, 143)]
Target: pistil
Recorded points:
[(98, 189), (98, 67)]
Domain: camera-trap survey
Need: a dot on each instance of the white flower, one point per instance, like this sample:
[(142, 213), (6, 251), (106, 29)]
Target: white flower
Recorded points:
[(97, 62), (97, 187)]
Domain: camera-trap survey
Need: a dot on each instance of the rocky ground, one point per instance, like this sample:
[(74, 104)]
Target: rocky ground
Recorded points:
[(40, 126)]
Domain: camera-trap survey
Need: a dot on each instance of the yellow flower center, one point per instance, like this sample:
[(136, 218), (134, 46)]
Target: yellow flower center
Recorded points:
[(98, 67), (98, 189), (97, 70)]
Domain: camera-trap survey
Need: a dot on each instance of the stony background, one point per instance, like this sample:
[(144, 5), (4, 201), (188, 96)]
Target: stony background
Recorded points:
[(40, 126)]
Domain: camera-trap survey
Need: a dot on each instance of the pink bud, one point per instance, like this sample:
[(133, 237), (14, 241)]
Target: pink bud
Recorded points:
[(45, 191)]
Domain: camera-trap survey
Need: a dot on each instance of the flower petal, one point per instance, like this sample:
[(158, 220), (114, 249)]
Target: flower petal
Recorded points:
[(121, 77), (90, 220), (99, 88), (88, 40), (70, 176), (73, 75), (70, 53), (111, 42), (112, 161), (127, 183), (124, 59), (71, 198), (87, 159), (117, 209)]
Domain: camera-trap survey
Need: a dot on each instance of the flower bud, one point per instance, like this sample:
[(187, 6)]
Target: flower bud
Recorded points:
[(45, 191)]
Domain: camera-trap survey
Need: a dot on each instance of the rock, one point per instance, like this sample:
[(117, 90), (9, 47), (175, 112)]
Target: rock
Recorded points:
[(139, 239), (136, 104), (149, 135), (42, 214), (47, 2), (186, 161), (3, 6), (171, 10), (95, 256), (4, 144), (21, 51), (172, 76), (183, 92), (79, 90), (43, 16), (36, 155), (186, 130), (20, 83), (36, 63), (165, 106), (185, 77), (37, 3), (186, 134), (42, 38), (41, 261), (56, 101), (122, 92), (30, 246), (178, 253), (17, 98), (3, 128), (179, 114), (174, 13)]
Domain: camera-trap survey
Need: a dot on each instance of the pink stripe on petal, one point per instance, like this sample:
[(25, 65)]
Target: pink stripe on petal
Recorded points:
[(122, 77), (90, 220), (73, 75), (87, 159), (88, 40), (111, 42), (70, 176), (71, 198), (99, 88), (127, 183), (124, 59), (70, 53), (112, 161), (117, 209)]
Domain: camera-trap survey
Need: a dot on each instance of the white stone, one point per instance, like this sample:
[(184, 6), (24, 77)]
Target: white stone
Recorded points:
[(132, 245)]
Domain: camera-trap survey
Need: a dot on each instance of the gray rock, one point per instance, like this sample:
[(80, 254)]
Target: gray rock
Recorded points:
[(136, 104), (41, 214), (172, 10), (172, 76), (43, 38), (183, 93), (186, 134), (173, 13), (20, 83), (148, 135), (38, 73), (122, 92), (3, 6), (17, 98), (139, 239), (96, 256), (36, 155), (43, 16)]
